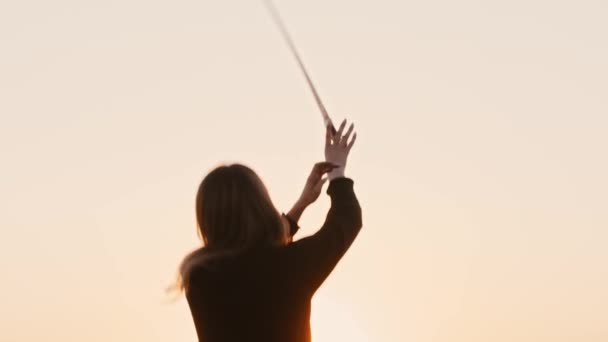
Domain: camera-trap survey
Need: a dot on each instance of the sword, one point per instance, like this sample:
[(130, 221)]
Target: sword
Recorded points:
[(277, 18)]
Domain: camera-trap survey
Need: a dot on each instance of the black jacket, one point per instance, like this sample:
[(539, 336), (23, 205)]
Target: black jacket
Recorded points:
[(265, 295)]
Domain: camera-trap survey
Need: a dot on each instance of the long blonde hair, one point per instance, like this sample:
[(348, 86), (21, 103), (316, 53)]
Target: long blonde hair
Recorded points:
[(235, 214)]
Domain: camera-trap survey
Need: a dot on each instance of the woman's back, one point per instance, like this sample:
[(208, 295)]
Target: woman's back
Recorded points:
[(265, 295)]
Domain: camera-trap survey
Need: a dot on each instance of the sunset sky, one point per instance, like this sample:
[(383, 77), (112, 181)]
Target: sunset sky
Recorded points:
[(480, 164)]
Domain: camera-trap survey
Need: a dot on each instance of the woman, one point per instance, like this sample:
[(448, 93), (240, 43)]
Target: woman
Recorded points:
[(250, 282)]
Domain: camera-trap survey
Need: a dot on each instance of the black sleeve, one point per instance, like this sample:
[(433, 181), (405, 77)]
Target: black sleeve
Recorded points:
[(314, 257)]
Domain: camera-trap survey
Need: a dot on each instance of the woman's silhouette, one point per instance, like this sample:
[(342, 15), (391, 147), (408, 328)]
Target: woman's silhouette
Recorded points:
[(250, 282)]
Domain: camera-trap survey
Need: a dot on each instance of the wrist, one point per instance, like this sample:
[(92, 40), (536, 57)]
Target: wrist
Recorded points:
[(296, 211), (301, 204), (336, 173)]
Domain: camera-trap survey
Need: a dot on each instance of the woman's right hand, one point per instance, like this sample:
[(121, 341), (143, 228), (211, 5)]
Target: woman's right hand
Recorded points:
[(337, 148)]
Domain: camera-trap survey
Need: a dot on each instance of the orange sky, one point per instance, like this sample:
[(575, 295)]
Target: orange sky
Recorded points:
[(480, 161)]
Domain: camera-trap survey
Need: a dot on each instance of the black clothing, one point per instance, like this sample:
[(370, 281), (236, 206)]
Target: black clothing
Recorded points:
[(265, 295)]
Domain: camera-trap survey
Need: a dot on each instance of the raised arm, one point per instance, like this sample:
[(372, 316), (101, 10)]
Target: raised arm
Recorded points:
[(314, 257)]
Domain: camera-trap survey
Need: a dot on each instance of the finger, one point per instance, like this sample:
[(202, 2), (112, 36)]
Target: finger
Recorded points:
[(330, 165), (352, 141), (322, 167), (331, 126), (316, 170), (347, 135), (330, 168), (339, 133), (326, 163), (320, 183), (323, 164), (328, 135)]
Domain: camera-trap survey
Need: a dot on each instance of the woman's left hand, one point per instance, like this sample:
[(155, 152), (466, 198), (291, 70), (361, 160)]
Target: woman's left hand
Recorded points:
[(315, 181)]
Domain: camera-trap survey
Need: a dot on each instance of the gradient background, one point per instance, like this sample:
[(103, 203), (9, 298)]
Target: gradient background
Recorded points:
[(480, 161)]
